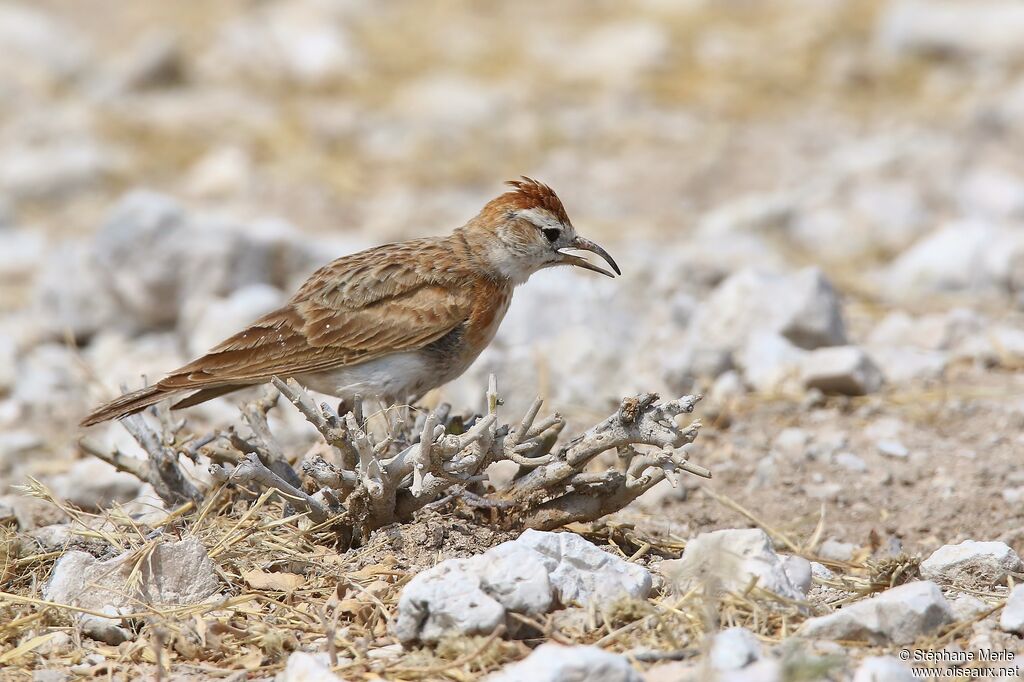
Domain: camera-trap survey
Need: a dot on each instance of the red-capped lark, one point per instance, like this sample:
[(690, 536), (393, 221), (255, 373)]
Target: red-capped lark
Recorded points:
[(391, 322)]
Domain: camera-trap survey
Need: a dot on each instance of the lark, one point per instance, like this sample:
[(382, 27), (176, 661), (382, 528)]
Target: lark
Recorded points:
[(392, 322)]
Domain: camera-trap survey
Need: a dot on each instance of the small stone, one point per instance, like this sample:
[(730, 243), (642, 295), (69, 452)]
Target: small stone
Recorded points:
[(557, 663), (1012, 617), (528, 575), (582, 573), (821, 571), (792, 443), (175, 573), (802, 308), (892, 448), (972, 561), (843, 370), (882, 669), (727, 560), (897, 616), (94, 485), (1013, 495), (968, 607), (834, 550), (850, 462), (304, 667), (446, 599), (50, 674), (982, 29), (798, 570), (768, 361), (733, 649)]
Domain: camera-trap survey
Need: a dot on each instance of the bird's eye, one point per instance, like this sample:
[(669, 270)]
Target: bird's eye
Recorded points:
[(552, 233)]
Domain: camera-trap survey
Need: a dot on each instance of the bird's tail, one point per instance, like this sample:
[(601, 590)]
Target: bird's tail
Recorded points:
[(129, 403)]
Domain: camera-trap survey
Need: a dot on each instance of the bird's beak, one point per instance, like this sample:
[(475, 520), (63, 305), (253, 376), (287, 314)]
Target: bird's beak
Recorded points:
[(582, 244)]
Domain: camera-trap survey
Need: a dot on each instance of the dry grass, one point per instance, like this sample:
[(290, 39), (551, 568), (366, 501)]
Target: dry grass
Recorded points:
[(287, 587)]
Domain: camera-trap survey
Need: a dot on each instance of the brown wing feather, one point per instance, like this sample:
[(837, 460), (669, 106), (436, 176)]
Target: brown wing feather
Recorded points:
[(389, 299), (392, 298)]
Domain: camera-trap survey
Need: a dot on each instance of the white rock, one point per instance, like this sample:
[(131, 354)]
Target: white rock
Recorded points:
[(882, 669), (850, 462), (1013, 495), (223, 172), (846, 370), (1012, 617), (556, 663), (897, 616), (802, 307), (821, 571), (904, 365), (834, 550), (176, 573), (727, 560), (33, 41), (733, 649), (791, 443), (964, 256), (93, 485), (302, 41), (967, 607), (80, 310), (52, 170), (982, 28), (149, 228), (582, 573), (20, 254), (992, 193), (769, 361), (892, 448), (972, 561), (798, 570), (529, 575), (446, 599), (304, 667)]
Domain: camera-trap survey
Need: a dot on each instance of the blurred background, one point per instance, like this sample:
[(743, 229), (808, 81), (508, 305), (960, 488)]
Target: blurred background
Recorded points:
[(779, 179)]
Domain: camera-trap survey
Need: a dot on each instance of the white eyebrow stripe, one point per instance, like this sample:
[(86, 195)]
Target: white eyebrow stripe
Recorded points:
[(541, 218)]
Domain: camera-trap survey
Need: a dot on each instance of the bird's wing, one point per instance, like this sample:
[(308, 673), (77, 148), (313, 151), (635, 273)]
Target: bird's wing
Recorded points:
[(356, 309)]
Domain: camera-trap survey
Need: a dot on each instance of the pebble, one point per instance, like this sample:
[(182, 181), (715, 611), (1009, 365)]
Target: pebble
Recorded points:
[(897, 616), (987, 563), (843, 370), (882, 669), (1012, 617), (892, 448), (529, 576), (733, 649), (557, 663), (727, 560)]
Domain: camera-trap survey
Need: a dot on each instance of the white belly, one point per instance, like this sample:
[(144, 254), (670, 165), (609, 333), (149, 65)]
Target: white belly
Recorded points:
[(393, 377)]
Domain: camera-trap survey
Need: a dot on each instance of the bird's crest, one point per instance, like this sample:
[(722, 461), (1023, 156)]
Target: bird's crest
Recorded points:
[(527, 193)]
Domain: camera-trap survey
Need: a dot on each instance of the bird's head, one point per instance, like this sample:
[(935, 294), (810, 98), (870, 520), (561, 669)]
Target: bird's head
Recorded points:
[(526, 229)]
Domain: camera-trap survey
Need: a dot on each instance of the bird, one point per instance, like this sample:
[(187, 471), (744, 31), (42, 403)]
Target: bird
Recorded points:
[(391, 322)]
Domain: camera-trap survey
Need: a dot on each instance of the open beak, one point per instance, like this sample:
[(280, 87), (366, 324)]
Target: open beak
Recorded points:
[(582, 244)]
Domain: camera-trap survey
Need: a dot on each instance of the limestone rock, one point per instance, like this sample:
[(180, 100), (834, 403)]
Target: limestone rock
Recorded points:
[(972, 561), (557, 663), (897, 616), (846, 370), (728, 560)]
